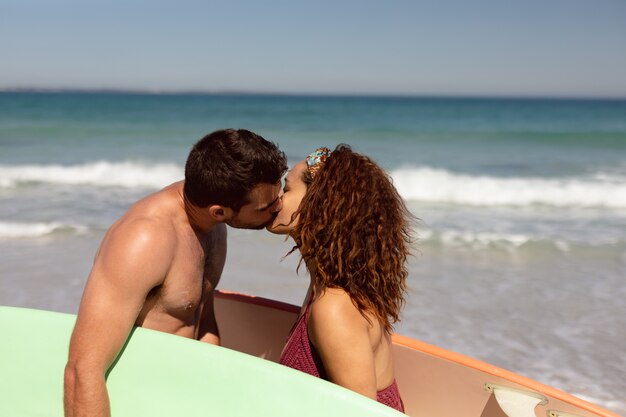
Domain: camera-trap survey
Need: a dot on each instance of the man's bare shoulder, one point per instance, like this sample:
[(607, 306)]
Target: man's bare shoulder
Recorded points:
[(147, 227), (155, 211), (163, 205), (139, 230)]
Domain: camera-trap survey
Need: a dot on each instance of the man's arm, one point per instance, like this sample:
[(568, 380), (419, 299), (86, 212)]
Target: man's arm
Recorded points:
[(208, 330), (134, 258)]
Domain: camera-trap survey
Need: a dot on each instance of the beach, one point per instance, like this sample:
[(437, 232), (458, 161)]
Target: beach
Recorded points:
[(521, 253)]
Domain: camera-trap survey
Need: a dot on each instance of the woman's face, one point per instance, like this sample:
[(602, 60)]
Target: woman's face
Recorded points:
[(293, 193)]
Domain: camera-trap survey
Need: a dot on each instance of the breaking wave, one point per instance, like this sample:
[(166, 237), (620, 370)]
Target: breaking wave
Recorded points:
[(431, 185), (421, 184), (103, 173), (10, 230)]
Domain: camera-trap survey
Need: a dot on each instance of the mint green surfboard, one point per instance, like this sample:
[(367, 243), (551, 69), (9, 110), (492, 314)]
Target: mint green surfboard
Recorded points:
[(158, 374)]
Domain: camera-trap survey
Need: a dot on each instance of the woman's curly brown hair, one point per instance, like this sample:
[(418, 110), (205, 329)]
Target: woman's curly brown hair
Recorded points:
[(355, 230)]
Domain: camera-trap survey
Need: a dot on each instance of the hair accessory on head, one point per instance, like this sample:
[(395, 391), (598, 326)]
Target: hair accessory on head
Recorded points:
[(316, 159)]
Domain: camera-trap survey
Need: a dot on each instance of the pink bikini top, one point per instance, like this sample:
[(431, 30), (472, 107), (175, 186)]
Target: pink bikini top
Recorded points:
[(300, 354)]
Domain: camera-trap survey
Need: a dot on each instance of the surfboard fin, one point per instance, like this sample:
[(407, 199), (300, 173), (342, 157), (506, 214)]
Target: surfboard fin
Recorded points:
[(517, 402)]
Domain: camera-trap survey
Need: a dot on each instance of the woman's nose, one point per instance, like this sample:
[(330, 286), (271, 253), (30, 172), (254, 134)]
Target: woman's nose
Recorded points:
[(279, 203)]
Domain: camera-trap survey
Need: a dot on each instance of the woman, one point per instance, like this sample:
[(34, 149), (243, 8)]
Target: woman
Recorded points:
[(353, 232)]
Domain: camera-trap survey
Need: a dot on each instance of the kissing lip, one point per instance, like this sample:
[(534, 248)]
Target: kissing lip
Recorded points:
[(271, 221)]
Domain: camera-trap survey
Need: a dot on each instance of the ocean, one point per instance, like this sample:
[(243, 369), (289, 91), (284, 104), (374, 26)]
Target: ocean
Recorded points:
[(521, 257)]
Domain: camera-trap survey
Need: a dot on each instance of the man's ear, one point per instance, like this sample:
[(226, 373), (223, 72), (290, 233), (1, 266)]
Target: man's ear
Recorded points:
[(220, 213)]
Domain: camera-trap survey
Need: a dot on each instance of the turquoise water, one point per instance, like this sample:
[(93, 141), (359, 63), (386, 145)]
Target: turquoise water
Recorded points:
[(526, 136), (522, 253)]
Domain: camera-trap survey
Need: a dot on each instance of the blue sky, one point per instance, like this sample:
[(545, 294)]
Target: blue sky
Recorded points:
[(500, 48)]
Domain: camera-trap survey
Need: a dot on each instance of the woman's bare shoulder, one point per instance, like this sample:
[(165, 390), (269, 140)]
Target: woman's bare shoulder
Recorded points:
[(334, 310)]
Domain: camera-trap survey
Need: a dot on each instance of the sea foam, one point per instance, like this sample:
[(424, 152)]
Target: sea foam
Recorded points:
[(476, 240), (425, 184), (420, 184), (126, 174), (10, 230)]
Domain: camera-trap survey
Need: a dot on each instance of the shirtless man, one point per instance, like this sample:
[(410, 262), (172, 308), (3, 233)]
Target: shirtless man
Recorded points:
[(158, 265)]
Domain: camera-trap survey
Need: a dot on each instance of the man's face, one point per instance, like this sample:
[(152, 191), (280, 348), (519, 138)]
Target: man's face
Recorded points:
[(264, 204), (293, 193)]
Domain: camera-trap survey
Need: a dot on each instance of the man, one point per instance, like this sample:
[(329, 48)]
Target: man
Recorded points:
[(158, 265)]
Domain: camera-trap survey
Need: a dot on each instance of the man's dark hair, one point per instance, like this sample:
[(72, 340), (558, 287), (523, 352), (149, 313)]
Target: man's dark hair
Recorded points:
[(225, 165)]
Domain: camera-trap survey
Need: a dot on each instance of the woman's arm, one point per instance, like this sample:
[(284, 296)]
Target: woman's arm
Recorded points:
[(341, 336)]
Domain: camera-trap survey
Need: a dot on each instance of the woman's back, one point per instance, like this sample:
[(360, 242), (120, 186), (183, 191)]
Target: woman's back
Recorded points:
[(339, 331), (332, 340)]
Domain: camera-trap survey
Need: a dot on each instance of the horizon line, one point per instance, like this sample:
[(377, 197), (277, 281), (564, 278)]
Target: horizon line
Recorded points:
[(130, 91)]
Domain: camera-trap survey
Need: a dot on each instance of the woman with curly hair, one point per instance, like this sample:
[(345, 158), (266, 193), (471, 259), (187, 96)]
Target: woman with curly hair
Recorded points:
[(353, 232)]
